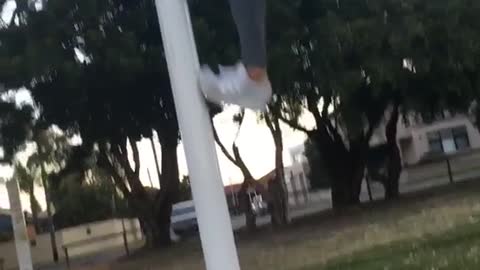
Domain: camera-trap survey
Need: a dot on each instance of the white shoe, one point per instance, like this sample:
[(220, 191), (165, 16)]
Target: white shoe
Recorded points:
[(234, 86)]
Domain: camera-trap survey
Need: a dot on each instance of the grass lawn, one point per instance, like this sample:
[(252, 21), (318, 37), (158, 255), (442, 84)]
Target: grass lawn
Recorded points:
[(458, 248), (438, 229)]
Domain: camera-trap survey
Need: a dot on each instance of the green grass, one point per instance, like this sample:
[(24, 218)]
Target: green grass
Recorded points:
[(438, 229), (455, 249)]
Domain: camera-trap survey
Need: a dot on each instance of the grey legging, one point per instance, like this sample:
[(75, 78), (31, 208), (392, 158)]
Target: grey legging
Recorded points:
[(249, 16)]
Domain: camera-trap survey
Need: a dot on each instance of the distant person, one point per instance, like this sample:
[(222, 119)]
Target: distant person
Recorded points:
[(245, 84)]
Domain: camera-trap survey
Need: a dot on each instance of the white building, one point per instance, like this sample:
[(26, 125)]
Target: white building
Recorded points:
[(446, 134)]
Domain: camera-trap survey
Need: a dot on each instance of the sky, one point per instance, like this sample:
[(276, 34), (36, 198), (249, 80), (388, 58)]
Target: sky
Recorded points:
[(8, 10), (254, 141)]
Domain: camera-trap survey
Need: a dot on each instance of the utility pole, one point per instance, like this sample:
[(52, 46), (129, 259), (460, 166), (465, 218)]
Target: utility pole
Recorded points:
[(214, 222)]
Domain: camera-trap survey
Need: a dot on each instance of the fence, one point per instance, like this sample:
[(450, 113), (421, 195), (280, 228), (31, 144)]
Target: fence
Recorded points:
[(439, 171), (297, 185), (446, 169), (42, 252)]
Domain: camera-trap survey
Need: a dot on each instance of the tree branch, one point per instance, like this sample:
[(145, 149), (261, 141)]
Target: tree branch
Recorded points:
[(132, 178), (236, 159), (222, 146), (294, 124), (332, 130), (326, 104), (104, 163), (240, 164), (391, 128), (236, 153), (12, 19), (119, 148), (269, 123), (312, 106)]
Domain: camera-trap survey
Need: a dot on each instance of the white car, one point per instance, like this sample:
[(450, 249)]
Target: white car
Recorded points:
[(184, 218)]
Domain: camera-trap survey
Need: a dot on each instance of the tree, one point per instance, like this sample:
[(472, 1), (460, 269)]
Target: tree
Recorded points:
[(88, 200), (185, 193), (106, 69), (384, 162), (344, 62), (217, 43), (248, 181), (276, 187), (52, 150), (15, 129), (350, 62), (27, 181), (317, 174), (330, 75)]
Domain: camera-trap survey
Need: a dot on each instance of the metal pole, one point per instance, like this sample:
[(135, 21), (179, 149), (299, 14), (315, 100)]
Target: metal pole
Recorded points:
[(207, 188), (114, 211), (449, 169), (125, 239), (22, 244), (369, 187)]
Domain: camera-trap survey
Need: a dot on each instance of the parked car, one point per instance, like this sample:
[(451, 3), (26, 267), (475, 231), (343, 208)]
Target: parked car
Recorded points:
[(184, 218)]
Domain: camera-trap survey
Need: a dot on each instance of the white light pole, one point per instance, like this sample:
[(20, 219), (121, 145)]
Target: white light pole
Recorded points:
[(207, 188), (22, 243)]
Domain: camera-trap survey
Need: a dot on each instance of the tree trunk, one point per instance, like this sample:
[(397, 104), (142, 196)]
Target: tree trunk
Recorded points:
[(345, 169), (369, 187), (394, 160), (51, 225), (278, 203), (344, 165), (169, 185), (144, 209), (140, 201), (250, 219), (236, 159), (246, 205), (345, 191), (34, 207), (392, 190)]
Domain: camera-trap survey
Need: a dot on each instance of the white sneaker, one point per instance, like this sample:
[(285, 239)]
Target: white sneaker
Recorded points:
[(234, 86)]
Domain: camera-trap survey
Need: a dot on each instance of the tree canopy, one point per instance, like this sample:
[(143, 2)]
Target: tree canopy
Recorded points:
[(96, 67)]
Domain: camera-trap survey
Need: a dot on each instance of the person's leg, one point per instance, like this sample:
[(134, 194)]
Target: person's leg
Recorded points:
[(247, 83), (249, 16)]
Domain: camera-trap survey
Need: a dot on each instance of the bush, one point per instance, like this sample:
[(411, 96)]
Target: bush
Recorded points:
[(85, 203)]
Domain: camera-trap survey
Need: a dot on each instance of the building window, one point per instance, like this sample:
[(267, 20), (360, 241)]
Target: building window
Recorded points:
[(435, 142), (461, 138), (448, 140)]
